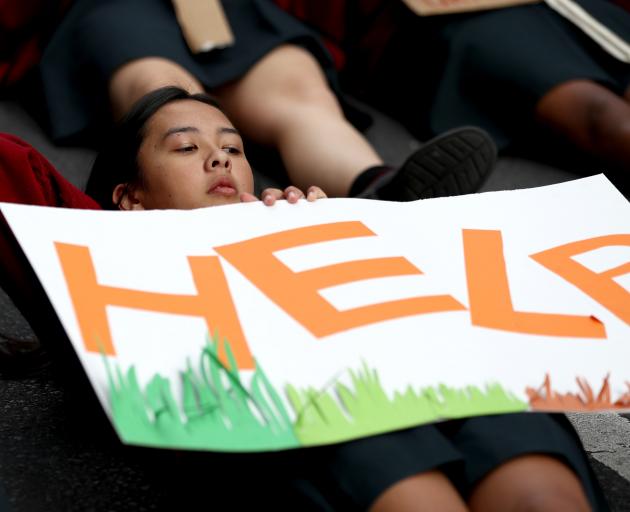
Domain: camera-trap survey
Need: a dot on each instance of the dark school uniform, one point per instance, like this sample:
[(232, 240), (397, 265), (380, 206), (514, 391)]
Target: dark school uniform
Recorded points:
[(490, 68), (98, 36)]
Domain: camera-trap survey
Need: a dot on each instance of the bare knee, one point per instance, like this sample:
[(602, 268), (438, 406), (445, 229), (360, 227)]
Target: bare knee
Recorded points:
[(531, 483), (593, 112), (285, 86), (604, 117), (425, 491), (299, 105), (300, 98), (289, 72), (134, 79)]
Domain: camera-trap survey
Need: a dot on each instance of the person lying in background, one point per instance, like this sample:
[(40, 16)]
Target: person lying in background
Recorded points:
[(525, 74), (276, 83)]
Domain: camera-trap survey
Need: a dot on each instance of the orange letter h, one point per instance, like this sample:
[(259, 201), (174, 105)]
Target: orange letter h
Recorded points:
[(212, 303)]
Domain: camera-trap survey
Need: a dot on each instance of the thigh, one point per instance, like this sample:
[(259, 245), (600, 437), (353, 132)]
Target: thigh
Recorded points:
[(486, 442), (530, 482), (590, 114), (134, 79), (351, 475), (285, 80), (424, 492)]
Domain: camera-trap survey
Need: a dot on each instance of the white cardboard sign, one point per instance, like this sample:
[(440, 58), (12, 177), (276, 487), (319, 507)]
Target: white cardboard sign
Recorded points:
[(344, 317)]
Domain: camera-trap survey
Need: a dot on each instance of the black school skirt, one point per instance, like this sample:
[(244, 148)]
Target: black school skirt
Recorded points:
[(98, 36), (351, 475), (490, 68)]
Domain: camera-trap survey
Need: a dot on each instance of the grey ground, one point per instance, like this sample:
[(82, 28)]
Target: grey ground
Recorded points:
[(54, 457)]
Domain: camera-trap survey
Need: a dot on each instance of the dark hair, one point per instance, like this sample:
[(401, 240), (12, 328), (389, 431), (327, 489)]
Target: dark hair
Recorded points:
[(117, 162)]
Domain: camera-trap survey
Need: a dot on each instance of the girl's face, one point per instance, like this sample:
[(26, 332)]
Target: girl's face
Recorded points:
[(191, 157)]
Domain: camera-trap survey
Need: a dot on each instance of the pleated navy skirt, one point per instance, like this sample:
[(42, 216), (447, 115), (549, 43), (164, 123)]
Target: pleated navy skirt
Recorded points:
[(98, 36)]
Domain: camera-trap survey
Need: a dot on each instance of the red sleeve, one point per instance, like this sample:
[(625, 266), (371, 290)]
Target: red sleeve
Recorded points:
[(26, 177), (328, 17)]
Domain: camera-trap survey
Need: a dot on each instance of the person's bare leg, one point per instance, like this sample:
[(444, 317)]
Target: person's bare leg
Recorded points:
[(139, 77), (428, 491), (533, 483), (284, 101), (590, 116)]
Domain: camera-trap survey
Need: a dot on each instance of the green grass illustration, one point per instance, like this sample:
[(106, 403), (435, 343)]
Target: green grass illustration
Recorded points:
[(217, 412), (364, 408)]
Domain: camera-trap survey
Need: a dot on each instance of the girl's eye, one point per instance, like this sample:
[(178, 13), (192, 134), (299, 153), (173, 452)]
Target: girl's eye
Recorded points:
[(232, 150), (186, 149)]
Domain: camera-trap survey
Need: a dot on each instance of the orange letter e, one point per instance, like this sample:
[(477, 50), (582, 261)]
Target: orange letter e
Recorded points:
[(297, 293)]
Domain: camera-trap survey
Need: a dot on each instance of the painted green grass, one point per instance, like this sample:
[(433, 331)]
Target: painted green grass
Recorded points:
[(364, 408), (217, 413)]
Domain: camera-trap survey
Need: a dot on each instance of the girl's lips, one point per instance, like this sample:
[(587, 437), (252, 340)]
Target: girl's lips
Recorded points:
[(223, 186)]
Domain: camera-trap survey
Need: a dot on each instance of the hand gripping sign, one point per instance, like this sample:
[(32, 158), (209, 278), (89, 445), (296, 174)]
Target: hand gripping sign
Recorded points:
[(253, 328)]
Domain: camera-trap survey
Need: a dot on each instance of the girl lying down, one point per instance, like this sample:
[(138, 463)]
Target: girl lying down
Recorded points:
[(176, 150)]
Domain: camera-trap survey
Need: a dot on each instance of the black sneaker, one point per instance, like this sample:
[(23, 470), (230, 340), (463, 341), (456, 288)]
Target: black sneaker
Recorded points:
[(452, 164)]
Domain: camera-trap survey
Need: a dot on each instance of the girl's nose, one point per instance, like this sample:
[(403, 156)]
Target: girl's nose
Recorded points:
[(219, 160)]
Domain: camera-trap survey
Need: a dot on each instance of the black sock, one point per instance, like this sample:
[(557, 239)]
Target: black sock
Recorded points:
[(367, 177)]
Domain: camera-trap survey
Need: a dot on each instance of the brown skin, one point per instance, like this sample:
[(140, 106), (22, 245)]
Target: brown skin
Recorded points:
[(530, 483), (591, 117), (430, 491), (193, 157)]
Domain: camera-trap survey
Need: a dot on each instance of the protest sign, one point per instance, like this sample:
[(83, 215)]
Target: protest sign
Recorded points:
[(251, 328)]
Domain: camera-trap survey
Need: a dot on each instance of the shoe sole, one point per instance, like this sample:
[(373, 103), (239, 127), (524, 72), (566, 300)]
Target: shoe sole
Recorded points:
[(455, 163)]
